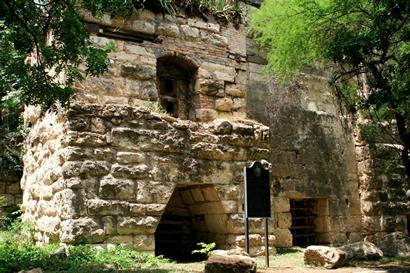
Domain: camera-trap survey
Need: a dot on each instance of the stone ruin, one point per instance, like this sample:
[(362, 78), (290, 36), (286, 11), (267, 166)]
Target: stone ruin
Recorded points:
[(114, 168)]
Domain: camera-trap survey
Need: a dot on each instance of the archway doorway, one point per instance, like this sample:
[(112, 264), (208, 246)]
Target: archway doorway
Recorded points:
[(191, 217)]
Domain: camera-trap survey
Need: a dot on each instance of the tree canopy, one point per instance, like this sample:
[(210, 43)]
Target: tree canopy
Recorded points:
[(367, 40)]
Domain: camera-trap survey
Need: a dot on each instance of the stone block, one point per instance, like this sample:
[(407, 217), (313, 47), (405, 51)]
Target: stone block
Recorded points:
[(218, 71), (84, 139), (239, 104), (230, 206), (143, 26), (197, 195), (129, 157), (130, 171), (69, 204), (215, 39), (327, 257), (48, 224), (137, 225), (155, 209), (235, 224), (230, 264), (137, 72), (210, 194), (102, 207), (283, 237), (122, 189), (144, 242), (109, 225), (284, 220), (170, 30), (190, 33), (229, 192), (254, 240), (224, 104), (81, 230), (235, 90), (137, 209), (121, 240), (204, 115), (204, 25), (85, 168)]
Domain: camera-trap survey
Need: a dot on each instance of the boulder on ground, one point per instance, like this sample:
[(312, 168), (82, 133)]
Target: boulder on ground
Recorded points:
[(328, 257), (362, 251), (222, 262), (395, 244)]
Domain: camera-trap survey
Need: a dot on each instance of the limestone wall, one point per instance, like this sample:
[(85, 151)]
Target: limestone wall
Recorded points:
[(218, 52), (384, 203), (312, 154), (104, 174), (11, 192)]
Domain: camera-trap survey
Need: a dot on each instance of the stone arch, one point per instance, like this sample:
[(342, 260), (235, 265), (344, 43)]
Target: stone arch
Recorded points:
[(194, 213), (176, 77)]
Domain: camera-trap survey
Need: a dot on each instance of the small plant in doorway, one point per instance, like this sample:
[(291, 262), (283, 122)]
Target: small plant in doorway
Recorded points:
[(205, 248)]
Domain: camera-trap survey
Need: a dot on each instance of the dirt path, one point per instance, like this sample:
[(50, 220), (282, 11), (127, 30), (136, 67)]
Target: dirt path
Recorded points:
[(339, 270), (362, 268)]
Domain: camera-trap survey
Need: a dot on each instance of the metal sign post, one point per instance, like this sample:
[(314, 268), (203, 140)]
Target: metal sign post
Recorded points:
[(257, 201)]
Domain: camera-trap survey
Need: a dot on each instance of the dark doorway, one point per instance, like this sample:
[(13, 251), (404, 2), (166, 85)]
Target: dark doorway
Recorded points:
[(408, 224), (175, 235), (303, 217), (189, 218), (176, 81)]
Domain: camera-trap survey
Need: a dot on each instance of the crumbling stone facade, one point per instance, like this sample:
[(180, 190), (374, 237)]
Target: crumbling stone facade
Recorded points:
[(113, 168), (313, 158), (383, 185), (107, 172), (116, 169)]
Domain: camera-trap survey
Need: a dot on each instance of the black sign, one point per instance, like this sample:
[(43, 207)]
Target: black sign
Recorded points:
[(257, 191)]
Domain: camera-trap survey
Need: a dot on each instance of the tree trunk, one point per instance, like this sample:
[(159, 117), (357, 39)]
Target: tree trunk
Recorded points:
[(405, 138)]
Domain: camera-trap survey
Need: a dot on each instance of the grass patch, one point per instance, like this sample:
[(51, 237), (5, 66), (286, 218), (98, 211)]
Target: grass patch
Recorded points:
[(18, 252), (84, 258), (285, 258)]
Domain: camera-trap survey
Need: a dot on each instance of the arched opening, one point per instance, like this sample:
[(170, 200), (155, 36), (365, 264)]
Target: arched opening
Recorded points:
[(176, 82), (193, 214)]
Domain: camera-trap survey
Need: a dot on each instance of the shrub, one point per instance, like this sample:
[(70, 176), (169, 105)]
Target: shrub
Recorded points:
[(82, 258)]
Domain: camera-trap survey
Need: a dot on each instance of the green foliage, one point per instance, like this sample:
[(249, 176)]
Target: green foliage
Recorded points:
[(32, 66), (17, 252), (83, 258), (361, 41), (370, 132), (284, 27), (17, 233), (205, 248), (228, 10), (12, 134), (155, 107)]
